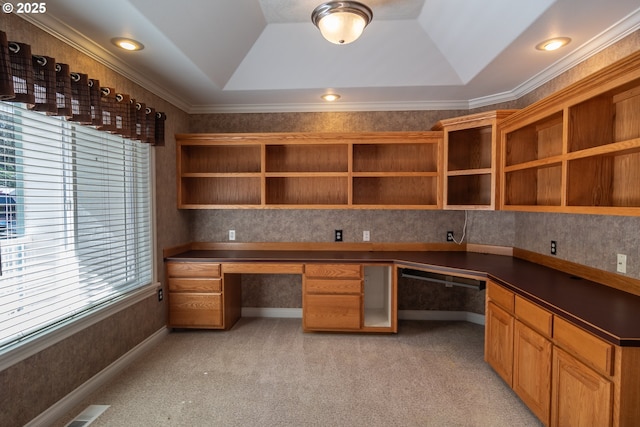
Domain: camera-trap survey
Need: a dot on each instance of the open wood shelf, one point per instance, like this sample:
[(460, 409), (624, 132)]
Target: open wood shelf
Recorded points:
[(578, 150), (199, 192), (470, 166), (290, 170), (395, 157)]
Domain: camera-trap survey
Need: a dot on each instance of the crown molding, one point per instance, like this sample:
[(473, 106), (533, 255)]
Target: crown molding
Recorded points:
[(605, 39), (328, 107), (76, 40)]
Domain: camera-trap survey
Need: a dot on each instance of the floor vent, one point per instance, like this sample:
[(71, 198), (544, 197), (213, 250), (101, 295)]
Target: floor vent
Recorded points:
[(87, 416)]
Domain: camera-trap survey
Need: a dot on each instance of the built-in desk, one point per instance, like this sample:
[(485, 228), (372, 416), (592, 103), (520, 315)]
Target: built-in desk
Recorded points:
[(611, 314), (568, 346)]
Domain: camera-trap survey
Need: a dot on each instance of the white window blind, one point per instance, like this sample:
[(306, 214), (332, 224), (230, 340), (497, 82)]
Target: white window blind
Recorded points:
[(75, 221)]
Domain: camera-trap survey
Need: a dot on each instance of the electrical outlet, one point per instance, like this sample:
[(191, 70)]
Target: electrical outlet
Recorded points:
[(232, 234), (160, 294), (622, 264), (554, 247), (338, 235), (366, 236), (449, 236)]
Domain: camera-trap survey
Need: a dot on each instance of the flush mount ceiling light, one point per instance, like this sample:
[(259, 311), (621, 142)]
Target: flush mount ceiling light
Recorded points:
[(330, 97), (553, 44), (341, 22), (127, 44)]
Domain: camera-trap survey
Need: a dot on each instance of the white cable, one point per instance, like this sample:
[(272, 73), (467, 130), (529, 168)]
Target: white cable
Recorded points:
[(464, 230)]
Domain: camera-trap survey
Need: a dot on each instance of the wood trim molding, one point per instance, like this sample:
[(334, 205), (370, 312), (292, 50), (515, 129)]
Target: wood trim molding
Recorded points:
[(613, 280), (326, 246), (175, 250), (489, 249)]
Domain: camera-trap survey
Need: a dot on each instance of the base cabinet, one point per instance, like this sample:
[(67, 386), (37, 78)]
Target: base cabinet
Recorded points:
[(532, 370), (581, 397), (566, 375), (499, 341), (332, 297), (200, 298), (348, 297)]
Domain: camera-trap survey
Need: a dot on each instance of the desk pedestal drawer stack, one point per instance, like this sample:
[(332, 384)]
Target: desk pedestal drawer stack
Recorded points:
[(200, 298)]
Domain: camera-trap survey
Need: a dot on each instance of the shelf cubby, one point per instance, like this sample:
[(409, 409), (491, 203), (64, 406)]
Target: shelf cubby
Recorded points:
[(398, 157), (611, 117), (470, 149), (539, 140), (539, 186), (307, 190), (307, 158), (200, 192), (220, 159), (474, 189), (395, 191), (606, 180)]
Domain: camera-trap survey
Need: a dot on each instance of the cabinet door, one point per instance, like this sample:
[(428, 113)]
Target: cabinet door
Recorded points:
[(532, 370), (580, 397), (332, 312), (498, 350)]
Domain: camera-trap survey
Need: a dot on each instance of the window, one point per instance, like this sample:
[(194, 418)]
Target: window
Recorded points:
[(75, 221)]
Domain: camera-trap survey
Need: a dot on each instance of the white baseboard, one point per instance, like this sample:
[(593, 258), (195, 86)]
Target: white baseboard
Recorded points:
[(289, 313), (296, 313), (67, 403)]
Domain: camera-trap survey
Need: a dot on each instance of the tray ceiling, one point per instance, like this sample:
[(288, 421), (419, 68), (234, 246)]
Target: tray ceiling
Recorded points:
[(266, 55)]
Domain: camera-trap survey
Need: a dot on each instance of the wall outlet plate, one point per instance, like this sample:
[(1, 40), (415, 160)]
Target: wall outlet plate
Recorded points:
[(621, 265), (449, 236), (338, 235), (232, 234), (554, 247), (366, 236)]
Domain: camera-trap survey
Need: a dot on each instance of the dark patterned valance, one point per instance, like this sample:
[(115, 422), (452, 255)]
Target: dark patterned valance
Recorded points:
[(53, 89)]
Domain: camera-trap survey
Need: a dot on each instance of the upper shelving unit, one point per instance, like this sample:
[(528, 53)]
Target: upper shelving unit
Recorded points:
[(577, 150), (470, 168), (397, 170)]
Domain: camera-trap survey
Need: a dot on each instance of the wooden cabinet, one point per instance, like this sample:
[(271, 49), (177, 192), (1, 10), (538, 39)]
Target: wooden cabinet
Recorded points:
[(499, 323), (398, 170), (198, 298), (349, 297), (332, 297), (532, 370), (577, 150), (581, 397), (470, 160), (566, 375)]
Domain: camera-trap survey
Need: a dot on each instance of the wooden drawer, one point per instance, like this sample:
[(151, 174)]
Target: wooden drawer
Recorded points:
[(203, 310), (342, 271), (536, 317), (195, 285), (332, 312), (591, 349), (323, 286), (500, 296), (193, 269)]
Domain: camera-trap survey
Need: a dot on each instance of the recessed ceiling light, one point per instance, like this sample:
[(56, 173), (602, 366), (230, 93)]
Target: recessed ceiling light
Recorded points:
[(330, 97), (127, 44), (553, 44)]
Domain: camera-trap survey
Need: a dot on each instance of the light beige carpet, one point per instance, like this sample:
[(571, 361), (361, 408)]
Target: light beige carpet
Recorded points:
[(267, 372)]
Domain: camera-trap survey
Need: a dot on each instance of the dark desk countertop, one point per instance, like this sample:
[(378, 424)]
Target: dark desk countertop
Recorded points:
[(609, 313)]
